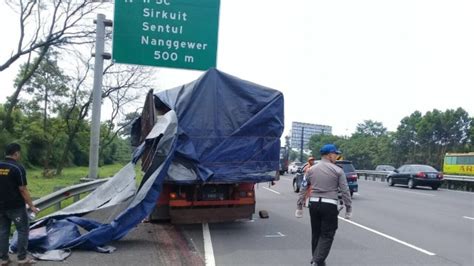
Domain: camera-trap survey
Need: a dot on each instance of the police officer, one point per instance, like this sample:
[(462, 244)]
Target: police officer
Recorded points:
[(13, 196), (325, 180)]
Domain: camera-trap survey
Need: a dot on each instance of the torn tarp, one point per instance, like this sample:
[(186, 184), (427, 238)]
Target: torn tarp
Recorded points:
[(67, 230), (216, 129), (229, 130)]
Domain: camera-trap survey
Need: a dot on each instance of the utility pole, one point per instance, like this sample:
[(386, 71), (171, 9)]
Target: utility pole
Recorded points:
[(99, 54), (301, 147)]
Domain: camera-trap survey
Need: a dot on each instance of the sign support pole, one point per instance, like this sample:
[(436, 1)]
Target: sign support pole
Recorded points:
[(101, 23)]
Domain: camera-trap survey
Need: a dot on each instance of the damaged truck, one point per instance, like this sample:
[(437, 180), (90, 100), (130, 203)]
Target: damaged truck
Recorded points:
[(228, 140)]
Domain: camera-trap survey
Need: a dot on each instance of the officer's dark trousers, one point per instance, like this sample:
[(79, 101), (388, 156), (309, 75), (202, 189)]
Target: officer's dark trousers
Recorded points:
[(323, 228)]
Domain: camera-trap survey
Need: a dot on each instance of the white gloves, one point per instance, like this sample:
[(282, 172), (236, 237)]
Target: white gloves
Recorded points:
[(299, 213), (348, 215)]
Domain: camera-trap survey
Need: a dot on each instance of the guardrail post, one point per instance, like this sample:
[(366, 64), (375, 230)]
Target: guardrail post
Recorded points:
[(57, 206), (77, 197)]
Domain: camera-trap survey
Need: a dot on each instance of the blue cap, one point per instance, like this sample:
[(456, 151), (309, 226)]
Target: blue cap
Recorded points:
[(329, 148)]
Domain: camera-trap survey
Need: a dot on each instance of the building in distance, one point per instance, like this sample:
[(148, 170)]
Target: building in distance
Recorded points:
[(300, 130)]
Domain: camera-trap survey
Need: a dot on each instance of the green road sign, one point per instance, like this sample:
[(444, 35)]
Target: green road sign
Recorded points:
[(167, 33)]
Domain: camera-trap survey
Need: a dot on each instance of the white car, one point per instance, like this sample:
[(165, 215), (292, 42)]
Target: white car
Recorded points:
[(293, 167)]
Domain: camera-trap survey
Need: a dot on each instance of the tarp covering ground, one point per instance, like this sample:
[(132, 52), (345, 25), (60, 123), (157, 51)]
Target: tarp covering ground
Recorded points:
[(217, 129)]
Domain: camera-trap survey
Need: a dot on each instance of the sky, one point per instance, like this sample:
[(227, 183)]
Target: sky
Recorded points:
[(337, 63)]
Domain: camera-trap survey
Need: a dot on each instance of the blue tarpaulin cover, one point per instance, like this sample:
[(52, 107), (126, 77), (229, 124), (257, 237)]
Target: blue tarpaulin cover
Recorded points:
[(218, 128), (229, 129)]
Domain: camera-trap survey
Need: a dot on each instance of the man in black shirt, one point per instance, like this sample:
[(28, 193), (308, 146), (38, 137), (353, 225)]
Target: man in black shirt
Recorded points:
[(13, 196)]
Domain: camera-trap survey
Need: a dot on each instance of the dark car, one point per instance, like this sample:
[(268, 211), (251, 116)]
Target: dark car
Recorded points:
[(415, 175), (384, 167), (351, 175), (298, 178)]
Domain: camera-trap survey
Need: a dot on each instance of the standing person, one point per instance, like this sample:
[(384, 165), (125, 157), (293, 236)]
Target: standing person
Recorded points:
[(310, 163), (13, 196), (306, 168), (325, 180)]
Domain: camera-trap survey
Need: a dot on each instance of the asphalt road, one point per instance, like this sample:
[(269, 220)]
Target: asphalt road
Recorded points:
[(390, 226)]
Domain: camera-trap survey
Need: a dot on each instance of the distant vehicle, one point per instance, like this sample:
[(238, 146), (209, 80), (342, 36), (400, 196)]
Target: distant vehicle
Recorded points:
[(415, 175), (384, 167), (351, 175), (293, 168), (346, 166), (298, 178), (284, 154), (459, 163)]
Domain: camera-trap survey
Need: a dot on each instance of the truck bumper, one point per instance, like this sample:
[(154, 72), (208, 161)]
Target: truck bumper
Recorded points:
[(210, 215)]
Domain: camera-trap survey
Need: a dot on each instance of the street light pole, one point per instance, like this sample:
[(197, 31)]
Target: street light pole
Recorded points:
[(101, 23), (301, 147)]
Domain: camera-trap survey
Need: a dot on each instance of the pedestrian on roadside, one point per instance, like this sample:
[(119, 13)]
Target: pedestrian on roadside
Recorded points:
[(325, 180), (310, 163), (304, 182), (13, 196)]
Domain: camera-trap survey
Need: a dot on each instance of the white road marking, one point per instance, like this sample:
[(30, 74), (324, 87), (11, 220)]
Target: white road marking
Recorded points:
[(389, 237), (278, 234), (274, 191), (208, 250), (467, 217), (411, 192), (457, 191)]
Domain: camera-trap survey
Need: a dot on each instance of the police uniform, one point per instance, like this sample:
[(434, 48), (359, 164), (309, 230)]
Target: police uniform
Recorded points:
[(325, 180)]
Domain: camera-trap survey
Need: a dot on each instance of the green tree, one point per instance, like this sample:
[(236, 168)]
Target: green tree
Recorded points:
[(293, 156), (470, 146), (43, 25), (406, 142), (317, 141), (371, 128), (359, 149), (47, 87), (426, 138)]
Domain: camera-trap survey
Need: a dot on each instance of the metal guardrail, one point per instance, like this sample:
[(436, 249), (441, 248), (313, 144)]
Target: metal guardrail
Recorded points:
[(450, 181), (459, 178), (75, 190)]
